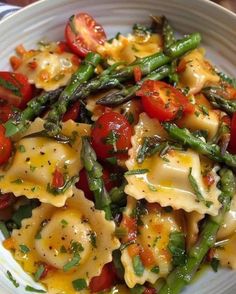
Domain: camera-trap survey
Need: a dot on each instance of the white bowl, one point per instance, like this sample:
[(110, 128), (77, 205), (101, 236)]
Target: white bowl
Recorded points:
[(46, 19)]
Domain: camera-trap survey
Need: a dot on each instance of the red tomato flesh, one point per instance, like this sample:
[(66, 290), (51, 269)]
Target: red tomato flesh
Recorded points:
[(15, 89), (5, 146), (6, 200), (72, 112), (83, 34), (58, 179), (111, 135), (162, 101), (232, 143), (6, 111), (105, 280)]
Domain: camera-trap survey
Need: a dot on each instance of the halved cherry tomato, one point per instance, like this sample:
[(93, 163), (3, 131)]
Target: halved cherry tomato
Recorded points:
[(105, 280), (5, 146), (232, 143), (6, 111), (147, 257), (6, 200), (15, 89), (58, 179), (111, 135), (72, 112), (162, 101), (83, 34)]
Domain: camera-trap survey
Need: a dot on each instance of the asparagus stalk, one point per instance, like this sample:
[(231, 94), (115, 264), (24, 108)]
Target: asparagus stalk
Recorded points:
[(127, 93), (83, 74), (218, 98), (147, 65), (95, 181), (20, 120), (213, 151), (183, 274)]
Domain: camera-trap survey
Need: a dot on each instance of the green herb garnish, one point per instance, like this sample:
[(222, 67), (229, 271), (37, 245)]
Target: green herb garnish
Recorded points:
[(4, 230), (24, 248), (73, 262), (137, 172), (177, 248), (138, 265), (79, 284), (31, 289), (10, 277), (39, 272), (215, 264), (21, 148)]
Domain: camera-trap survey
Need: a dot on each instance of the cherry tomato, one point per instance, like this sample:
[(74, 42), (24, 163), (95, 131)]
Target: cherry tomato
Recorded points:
[(72, 112), (130, 224), (5, 146), (111, 135), (58, 179), (6, 111), (83, 34), (147, 257), (6, 200), (162, 101), (15, 89), (232, 143), (105, 280)]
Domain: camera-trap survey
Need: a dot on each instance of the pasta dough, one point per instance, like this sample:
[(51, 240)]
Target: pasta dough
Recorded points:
[(54, 236), (37, 158), (153, 228), (167, 178)]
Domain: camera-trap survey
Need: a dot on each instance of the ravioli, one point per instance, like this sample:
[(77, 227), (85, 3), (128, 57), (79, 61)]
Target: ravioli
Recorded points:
[(57, 236), (150, 242), (198, 73), (37, 158), (127, 49), (227, 253), (166, 178), (48, 70), (192, 223)]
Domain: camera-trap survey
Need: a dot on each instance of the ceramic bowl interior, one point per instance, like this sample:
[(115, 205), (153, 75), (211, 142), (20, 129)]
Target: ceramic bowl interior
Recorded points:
[(46, 19)]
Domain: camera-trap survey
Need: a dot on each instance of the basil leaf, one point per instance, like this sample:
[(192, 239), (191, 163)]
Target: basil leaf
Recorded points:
[(79, 284)]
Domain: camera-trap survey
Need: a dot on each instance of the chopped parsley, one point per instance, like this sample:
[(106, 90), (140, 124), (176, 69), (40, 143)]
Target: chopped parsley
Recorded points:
[(72, 263), (111, 139), (93, 239), (64, 223), (176, 247), (155, 269), (138, 266), (4, 230), (21, 148), (79, 284), (63, 249), (204, 109), (137, 172), (24, 248), (31, 289), (197, 190), (10, 277), (215, 264), (39, 272), (17, 181)]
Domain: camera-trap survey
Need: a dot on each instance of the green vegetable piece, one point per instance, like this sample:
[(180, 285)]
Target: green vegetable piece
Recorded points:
[(138, 266), (10, 277), (79, 284), (177, 248), (31, 289), (24, 248)]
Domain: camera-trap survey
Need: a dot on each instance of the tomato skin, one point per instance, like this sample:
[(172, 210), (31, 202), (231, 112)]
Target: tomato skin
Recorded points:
[(154, 94), (105, 280), (58, 179), (5, 146), (72, 112), (6, 112), (20, 82), (83, 34), (6, 200), (114, 126), (232, 143)]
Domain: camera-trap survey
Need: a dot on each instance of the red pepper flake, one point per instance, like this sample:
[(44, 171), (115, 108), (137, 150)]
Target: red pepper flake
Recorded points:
[(208, 180), (32, 65), (15, 62), (58, 179), (137, 74)]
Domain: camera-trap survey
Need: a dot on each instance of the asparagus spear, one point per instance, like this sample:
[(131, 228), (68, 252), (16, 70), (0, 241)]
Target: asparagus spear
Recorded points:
[(218, 98), (127, 93), (95, 181), (213, 151), (20, 120), (146, 65), (183, 274), (83, 74)]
